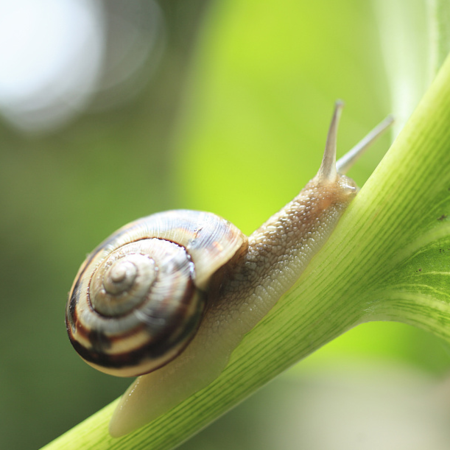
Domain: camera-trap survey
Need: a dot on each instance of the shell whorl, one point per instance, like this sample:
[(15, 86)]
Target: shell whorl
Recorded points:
[(138, 298)]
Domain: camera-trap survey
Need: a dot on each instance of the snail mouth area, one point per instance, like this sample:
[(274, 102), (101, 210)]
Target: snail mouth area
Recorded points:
[(348, 187)]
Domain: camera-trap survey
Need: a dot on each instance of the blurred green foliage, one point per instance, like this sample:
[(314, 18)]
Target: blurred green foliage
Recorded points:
[(253, 84), (263, 87)]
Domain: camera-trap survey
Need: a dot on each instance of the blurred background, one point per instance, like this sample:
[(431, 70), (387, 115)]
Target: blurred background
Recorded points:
[(113, 110)]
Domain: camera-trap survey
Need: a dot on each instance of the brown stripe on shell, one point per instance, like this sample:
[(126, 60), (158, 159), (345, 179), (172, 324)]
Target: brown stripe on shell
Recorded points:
[(174, 271), (146, 358), (84, 335), (209, 239), (179, 318)]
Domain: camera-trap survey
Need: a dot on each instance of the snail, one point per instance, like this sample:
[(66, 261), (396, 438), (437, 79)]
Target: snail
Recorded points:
[(168, 297)]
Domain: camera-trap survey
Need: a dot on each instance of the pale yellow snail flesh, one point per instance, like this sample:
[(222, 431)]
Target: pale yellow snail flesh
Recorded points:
[(232, 281)]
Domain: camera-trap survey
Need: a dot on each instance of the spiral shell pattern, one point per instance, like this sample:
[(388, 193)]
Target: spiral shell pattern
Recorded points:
[(138, 298)]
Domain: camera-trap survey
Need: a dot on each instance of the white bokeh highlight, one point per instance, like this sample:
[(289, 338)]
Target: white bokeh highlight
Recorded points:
[(50, 59), (61, 57)]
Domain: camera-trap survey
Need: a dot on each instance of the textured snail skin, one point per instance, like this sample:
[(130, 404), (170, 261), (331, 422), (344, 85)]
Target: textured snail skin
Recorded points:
[(277, 254)]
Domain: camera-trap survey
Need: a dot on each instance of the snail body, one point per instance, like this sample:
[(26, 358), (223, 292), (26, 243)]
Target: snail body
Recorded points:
[(177, 291)]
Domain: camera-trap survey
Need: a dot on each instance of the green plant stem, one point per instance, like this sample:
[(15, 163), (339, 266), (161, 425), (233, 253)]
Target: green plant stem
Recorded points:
[(343, 285)]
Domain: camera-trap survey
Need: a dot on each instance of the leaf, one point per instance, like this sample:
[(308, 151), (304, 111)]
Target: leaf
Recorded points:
[(415, 40), (439, 24), (404, 39)]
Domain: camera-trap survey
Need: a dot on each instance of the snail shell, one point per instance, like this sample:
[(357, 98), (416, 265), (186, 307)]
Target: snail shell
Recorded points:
[(139, 297)]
